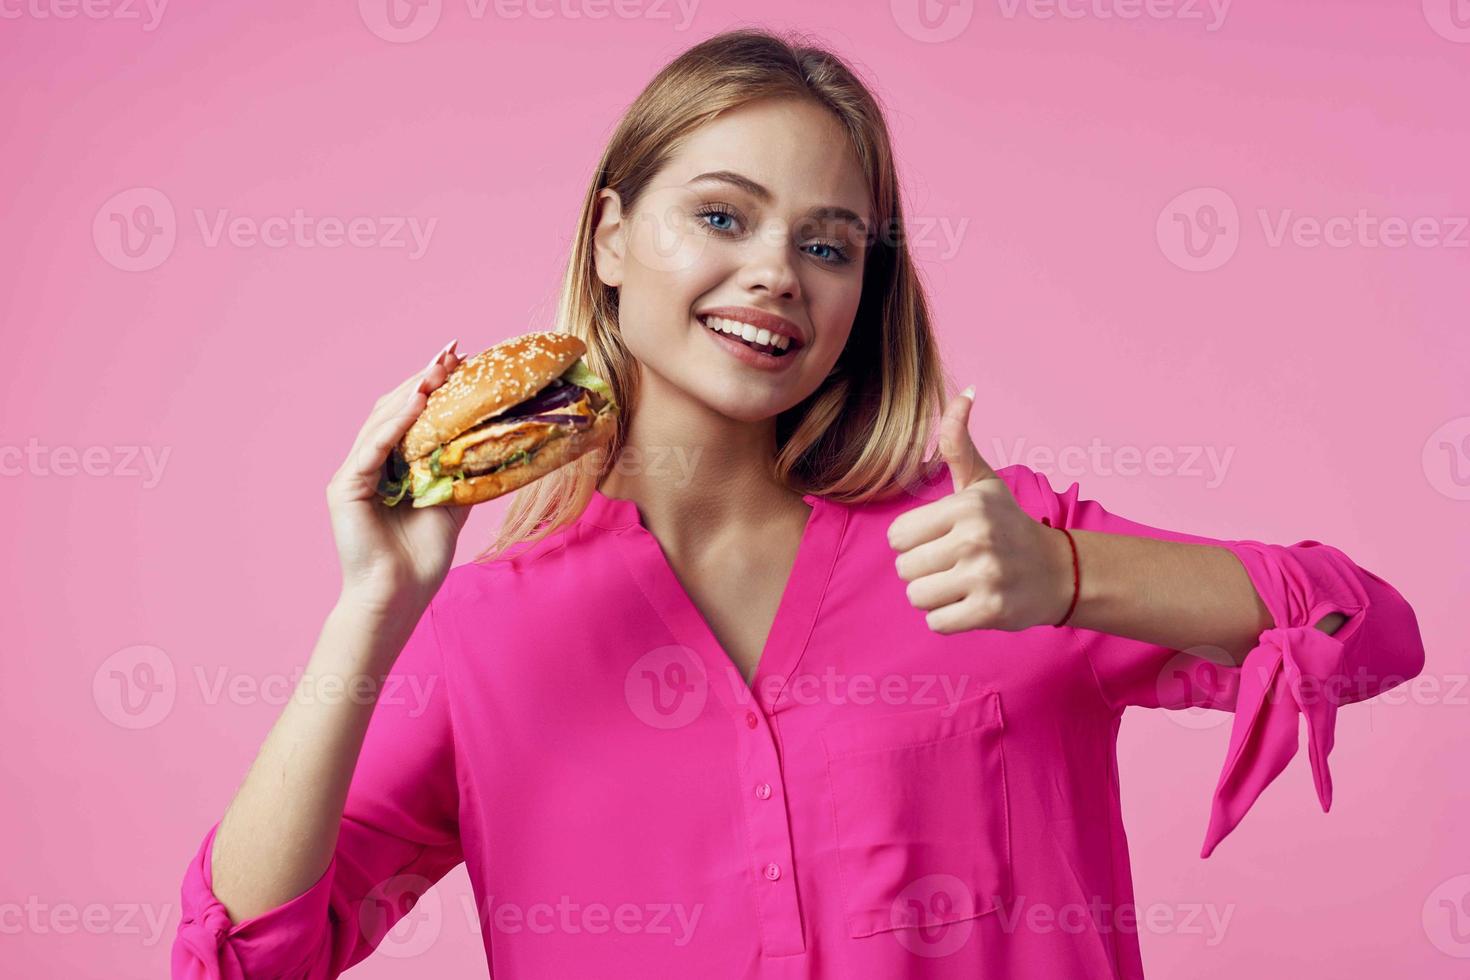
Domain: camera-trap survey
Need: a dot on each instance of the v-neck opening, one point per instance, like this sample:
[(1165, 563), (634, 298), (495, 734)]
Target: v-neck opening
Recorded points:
[(796, 610)]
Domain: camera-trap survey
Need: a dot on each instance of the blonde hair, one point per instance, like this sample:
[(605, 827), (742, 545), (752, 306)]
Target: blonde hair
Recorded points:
[(863, 434)]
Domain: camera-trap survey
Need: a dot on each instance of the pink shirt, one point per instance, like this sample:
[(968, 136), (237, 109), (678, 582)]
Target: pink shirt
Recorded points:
[(882, 802)]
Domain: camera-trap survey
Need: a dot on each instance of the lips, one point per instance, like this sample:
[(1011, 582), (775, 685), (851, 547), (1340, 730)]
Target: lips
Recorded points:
[(760, 319), (778, 346)]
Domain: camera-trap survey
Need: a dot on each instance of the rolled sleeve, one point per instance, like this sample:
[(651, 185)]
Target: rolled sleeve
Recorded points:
[(398, 836), (276, 943), (1295, 670)]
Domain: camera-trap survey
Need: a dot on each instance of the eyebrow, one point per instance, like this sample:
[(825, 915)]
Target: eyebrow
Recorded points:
[(761, 194)]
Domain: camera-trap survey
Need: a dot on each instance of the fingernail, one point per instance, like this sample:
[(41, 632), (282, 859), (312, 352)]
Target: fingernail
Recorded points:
[(969, 392), (439, 356)]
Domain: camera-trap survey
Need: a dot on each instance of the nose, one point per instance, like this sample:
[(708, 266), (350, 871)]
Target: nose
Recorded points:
[(769, 266)]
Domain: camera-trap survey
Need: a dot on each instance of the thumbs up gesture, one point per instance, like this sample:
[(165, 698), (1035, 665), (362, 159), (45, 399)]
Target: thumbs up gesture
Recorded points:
[(975, 559)]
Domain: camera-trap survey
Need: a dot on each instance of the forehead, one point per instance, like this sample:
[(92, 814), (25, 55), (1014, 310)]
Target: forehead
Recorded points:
[(793, 147)]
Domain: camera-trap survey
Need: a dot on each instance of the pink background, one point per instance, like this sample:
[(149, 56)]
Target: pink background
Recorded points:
[(1051, 150)]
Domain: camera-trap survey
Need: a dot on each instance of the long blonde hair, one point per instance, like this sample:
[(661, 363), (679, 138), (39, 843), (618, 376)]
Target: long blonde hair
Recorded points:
[(864, 433)]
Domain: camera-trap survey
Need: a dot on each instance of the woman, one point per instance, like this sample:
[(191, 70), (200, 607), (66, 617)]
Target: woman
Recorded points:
[(765, 691)]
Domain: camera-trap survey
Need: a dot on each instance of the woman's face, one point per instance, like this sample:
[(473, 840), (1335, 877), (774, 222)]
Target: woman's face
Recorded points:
[(782, 232)]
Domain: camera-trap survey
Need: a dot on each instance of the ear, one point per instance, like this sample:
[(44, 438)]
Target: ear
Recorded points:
[(609, 237)]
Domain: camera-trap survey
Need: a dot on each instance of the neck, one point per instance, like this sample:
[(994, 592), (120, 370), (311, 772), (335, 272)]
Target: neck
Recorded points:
[(694, 473)]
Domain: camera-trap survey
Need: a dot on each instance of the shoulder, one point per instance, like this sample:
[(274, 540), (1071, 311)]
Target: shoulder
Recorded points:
[(543, 569)]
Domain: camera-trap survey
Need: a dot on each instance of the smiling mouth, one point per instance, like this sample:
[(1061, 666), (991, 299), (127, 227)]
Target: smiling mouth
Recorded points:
[(729, 329)]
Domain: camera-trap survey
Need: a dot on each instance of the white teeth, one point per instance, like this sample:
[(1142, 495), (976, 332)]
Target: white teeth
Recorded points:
[(747, 332)]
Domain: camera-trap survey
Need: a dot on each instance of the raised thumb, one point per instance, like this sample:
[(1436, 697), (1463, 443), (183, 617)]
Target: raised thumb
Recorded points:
[(966, 465)]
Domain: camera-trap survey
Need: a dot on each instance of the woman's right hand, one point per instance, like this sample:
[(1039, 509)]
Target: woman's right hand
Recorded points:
[(393, 558)]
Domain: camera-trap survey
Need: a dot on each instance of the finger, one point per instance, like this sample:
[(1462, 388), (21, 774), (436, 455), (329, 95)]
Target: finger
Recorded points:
[(929, 558), (957, 617), (924, 524), (417, 379), (395, 414), (936, 591), (966, 465)]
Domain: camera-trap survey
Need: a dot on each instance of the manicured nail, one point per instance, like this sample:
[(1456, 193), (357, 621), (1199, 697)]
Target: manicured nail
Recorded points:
[(969, 392)]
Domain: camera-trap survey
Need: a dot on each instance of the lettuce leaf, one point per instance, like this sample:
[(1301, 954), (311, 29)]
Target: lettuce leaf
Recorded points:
[(580, 374), (428, 491)]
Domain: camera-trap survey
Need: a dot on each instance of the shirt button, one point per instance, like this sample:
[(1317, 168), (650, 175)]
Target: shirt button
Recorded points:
[(763, 791), (750, 721), (773, 871)]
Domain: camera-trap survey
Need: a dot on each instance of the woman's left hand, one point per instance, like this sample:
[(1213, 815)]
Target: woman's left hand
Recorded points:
[(975, 559)]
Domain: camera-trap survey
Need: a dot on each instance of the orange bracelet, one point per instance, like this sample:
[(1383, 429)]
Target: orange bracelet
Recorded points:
[(1076, 573)]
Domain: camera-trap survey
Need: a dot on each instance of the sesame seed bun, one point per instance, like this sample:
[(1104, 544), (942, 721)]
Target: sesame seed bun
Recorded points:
[(486, 384)]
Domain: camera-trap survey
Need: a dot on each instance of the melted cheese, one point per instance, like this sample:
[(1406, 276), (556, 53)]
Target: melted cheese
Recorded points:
[(453, 454)]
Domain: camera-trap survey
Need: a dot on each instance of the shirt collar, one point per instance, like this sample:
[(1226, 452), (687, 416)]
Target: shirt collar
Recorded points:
[(616, 513)]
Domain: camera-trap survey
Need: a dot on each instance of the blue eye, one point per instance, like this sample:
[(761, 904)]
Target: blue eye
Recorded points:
[(835, 255), (714, 211), (840, 254)]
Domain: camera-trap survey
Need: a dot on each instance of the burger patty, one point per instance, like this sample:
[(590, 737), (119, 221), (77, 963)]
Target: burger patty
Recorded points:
[(485, 456), (487, 446)]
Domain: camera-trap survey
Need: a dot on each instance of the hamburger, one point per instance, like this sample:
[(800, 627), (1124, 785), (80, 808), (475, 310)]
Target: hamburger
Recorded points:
[(503, 418)]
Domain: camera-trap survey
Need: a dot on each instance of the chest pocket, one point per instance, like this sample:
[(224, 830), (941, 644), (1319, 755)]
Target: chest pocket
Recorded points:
[(922, 823)]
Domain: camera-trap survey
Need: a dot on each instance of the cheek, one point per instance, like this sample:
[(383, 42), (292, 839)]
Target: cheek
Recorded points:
[(663, 242)]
